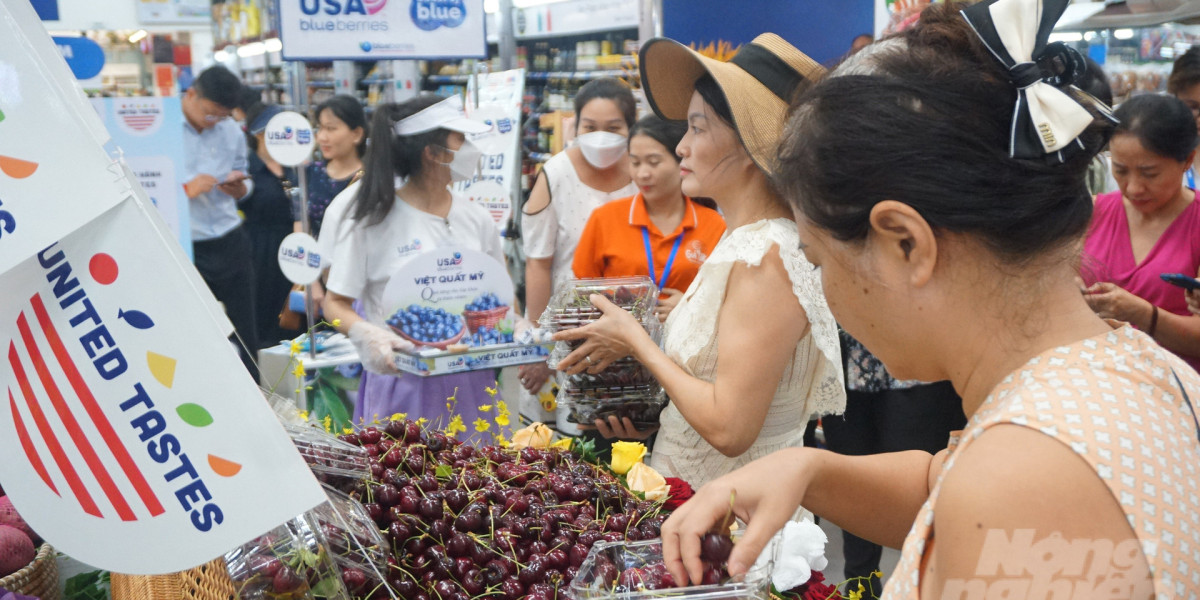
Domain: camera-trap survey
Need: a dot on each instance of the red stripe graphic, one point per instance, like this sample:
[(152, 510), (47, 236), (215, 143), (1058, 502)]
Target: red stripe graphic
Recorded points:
[(60, 457), (73, 429), (27, 444), (93, 410)]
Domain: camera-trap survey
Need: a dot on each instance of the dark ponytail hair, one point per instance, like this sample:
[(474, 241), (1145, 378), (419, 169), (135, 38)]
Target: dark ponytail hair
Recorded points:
[(390, 156), (607, 88), (924, 118), (1163, 124), (349, 111), (667, 133)]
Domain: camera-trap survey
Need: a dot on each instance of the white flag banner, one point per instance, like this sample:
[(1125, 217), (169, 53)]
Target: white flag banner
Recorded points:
[(126, 416), (133, 438), (50, 142)]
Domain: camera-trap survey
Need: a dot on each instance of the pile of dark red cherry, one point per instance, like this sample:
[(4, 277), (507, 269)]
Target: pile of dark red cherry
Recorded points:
[(467, 522)]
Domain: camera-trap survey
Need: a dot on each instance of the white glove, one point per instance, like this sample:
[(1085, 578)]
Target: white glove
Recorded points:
[(376, 346)]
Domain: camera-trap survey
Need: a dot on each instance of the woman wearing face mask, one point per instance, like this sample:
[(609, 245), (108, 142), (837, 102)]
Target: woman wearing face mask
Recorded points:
[(750, 352), (1148, 227), (573, 183), (401, 207), (660, 232)]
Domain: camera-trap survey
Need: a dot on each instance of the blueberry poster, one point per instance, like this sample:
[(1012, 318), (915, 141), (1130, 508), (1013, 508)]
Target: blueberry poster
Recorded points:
[(450, 299)]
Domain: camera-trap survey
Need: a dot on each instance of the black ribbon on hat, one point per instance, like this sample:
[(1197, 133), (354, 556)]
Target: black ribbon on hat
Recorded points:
[(1050, 113)]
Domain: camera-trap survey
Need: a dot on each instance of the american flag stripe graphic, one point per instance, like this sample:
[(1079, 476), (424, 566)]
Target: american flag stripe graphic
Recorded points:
[(73, 429), (68, 430), (47, 433), (119, 451), (27, 445)]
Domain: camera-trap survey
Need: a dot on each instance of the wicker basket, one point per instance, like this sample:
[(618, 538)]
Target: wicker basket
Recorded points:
[(38, 578), (478, 318), (209, 581)]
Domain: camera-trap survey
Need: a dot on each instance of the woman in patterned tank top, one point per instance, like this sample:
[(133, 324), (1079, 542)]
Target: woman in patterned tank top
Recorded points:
[(947, 226)]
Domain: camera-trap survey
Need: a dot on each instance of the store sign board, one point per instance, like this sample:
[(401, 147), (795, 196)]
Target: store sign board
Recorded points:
[(133, 438), (381, 29), (148, 133), (198, 12), (84, 56), (575, 16), (495, 186)]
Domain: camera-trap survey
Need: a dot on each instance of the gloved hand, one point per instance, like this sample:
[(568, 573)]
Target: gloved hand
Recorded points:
[(376, 346)]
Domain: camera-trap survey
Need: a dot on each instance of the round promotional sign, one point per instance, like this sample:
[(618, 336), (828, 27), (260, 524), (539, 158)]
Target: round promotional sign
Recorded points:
[(289, 138), (300, 258)]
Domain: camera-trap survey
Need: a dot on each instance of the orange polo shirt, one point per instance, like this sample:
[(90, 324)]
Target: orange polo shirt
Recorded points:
[(612, 244)]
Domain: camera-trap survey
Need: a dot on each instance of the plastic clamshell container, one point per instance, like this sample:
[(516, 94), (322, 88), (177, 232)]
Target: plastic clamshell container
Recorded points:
[(290, 562), (329, 458), (590, 585), (352, 538), (571, 306)]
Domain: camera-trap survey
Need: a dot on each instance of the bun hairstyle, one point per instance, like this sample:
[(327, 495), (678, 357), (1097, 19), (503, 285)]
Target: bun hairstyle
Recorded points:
[(1185, 73), (390, 156), (924, 117), (1163, 124)]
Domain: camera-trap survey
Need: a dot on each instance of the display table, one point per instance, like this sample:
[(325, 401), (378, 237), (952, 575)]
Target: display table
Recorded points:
[(334, 371)]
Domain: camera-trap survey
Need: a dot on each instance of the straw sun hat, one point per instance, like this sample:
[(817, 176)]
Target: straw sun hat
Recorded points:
[(758, 82)]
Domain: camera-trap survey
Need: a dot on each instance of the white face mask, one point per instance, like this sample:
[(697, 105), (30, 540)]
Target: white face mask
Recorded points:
[(602, 149), (465, 162)]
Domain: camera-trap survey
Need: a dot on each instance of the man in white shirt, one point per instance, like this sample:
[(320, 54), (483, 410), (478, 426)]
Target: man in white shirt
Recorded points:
[(215, 170)]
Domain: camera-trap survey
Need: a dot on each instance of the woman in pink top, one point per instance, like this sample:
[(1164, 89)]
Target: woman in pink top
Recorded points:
[(946, 211), (1150, 227)]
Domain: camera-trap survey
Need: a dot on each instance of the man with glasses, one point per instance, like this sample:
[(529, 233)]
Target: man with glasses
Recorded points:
[(215, 155)]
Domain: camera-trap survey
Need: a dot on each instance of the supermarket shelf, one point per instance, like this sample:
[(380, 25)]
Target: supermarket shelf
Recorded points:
[(577, 75), (460, 79), (321, 85)]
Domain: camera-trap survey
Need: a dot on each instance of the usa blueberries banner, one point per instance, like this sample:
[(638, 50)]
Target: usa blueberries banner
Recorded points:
[(132, 437), (381, 29)]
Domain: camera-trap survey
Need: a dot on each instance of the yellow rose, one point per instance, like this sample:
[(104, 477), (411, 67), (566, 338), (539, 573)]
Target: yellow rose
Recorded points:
[(625, 455), (536, 435), (643, 478)]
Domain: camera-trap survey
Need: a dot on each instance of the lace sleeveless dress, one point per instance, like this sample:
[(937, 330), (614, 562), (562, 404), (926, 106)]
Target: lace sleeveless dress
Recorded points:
[(811, 383)]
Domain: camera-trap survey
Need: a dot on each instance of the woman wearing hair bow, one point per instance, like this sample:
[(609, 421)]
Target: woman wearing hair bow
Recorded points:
[(1076, 472), (417, 149)]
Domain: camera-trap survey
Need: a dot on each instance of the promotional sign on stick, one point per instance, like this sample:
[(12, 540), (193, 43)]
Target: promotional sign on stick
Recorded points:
[(133, 438), (289, 138), (454, 305), (300, 258)]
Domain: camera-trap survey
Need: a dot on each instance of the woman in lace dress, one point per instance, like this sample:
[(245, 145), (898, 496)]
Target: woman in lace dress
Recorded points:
[(751, 389), (946, 205)]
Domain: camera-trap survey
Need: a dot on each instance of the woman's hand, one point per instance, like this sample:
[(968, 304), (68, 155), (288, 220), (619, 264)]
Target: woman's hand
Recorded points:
[(534, 376), (622, 428), (1110, 301), (1193, 301), (764, 494), (605, 340), (667, 302)]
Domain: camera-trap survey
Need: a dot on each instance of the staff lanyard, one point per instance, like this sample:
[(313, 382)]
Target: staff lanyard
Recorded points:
[(661, 283), (1191, 177)]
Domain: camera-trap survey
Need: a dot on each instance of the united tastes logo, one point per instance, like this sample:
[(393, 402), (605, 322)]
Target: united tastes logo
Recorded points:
[(140, 116)]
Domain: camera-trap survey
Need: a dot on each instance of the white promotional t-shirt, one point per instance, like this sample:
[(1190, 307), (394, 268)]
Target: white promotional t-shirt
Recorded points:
[(364, 258)]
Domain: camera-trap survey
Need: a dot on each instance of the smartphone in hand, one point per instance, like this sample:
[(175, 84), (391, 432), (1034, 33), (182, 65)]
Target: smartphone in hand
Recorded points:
[(1180, 280)]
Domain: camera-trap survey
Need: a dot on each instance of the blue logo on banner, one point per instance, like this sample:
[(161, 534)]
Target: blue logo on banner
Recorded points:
[(303, 136), (366, 46), (83, 56), (47, 10), (431, 14)]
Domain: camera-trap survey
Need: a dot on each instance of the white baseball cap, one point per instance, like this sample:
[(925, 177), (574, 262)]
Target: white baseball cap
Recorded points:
[(447, 114)]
